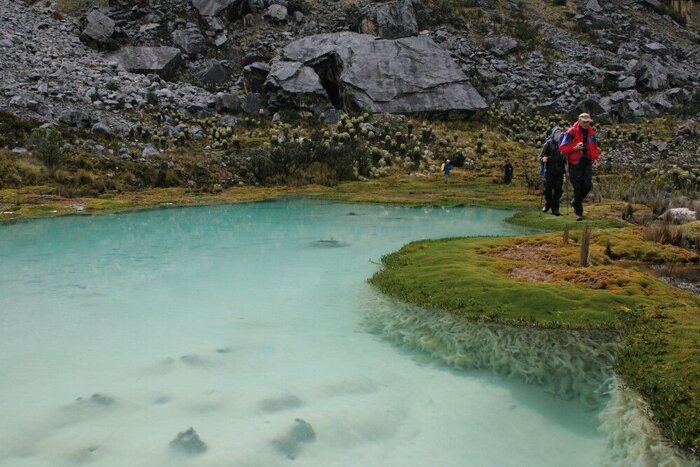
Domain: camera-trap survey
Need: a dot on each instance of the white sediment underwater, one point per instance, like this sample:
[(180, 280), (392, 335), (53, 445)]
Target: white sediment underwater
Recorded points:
[(569, 364), (633, 438)]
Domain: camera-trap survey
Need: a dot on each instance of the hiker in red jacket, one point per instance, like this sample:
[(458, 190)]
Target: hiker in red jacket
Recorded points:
[(580, 147)]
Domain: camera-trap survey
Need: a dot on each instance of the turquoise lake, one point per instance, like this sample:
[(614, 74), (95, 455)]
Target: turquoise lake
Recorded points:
[(237, 320)]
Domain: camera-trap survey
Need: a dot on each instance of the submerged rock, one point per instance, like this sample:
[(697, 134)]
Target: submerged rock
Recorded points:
[(330, 243), (188, 442), (289, 444), (101, 399), (276, 404), (96, 399)]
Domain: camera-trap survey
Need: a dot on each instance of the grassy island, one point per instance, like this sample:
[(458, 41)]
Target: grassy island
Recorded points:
[(537, 281)]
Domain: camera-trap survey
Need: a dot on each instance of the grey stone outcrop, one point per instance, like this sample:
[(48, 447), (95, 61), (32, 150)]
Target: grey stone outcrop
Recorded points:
[(405, 75)]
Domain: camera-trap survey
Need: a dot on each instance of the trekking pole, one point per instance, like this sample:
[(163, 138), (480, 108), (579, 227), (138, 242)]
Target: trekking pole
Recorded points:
[(568, 201)]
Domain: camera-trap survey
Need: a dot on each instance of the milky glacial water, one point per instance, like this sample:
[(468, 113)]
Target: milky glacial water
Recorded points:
[(237, 320)]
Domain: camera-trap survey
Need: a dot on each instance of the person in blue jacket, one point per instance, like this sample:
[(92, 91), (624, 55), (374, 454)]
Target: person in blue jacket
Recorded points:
[(446, 169)]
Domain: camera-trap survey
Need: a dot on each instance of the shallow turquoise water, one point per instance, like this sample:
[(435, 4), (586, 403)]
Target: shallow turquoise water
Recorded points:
[(236, 320)]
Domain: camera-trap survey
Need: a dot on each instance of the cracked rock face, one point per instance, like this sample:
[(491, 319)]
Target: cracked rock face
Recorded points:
[(405, 75)]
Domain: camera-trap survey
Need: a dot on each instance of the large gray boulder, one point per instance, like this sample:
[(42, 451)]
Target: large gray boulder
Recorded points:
[(255, 75), (389, 20), (227, 102), (407, 75), (98, 30), (277, 12), (252, 103), (160, 60), (214, 73), (650, 74), (293, 83), (190, 41)]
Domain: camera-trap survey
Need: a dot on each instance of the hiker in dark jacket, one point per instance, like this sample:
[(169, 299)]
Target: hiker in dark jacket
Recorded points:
[(580, 147), (507, 173), (554, 165)]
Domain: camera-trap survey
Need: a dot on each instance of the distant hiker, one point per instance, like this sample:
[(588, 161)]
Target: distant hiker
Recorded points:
[(580, 147), (446, 169), (553, 167), (507, 173)]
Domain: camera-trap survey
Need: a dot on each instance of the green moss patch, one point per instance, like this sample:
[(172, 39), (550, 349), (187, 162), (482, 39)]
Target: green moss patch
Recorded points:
[(548, 222)]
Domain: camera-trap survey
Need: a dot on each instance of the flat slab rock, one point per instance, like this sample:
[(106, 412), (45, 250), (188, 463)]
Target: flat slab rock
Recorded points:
[(209, 8), (160, 60), (407, 75)]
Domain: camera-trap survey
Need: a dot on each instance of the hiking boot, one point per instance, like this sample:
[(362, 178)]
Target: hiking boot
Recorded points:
[(545, 209), (579, 218), (556, 213)]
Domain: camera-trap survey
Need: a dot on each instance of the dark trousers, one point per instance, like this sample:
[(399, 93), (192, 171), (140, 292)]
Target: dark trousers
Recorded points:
[(553, 184), (508, 177), (581, 176)]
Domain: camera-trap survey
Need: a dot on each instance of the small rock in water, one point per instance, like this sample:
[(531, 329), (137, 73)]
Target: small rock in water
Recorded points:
[(329, 243), (194, 360), (188, 442), (275, 404), (302, 432), (101, 399)]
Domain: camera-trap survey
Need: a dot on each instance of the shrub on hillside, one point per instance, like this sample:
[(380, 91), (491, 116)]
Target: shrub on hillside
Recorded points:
[(49, 145), (287, 162)]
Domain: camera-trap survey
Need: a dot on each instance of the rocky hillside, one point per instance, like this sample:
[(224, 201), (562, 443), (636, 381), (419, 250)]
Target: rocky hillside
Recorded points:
[(149, 73), (619, 59)]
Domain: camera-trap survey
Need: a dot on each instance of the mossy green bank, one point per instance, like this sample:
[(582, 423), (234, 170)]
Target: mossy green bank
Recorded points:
[(537, 281)]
